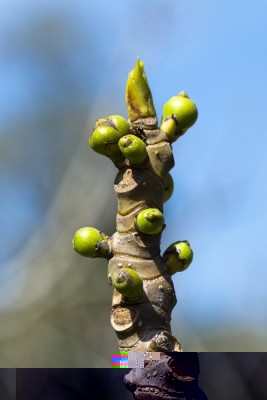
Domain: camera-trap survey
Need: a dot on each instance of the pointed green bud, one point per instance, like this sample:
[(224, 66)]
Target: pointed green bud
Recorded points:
[(133, 148), (128, 282), (90, 242), (168, 190), (138, 95), (150, 221), (183, 110), (178, 257)]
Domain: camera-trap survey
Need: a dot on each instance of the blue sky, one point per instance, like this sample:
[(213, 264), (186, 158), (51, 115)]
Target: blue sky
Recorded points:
[(216, 52)]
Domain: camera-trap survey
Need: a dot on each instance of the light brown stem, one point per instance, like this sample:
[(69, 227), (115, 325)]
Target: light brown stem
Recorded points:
[(143, 323)]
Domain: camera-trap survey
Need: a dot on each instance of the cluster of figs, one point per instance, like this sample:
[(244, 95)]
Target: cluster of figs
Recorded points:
[(115, 138)]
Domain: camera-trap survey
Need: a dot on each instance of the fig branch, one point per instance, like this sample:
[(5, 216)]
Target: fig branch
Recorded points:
[(143, 291)]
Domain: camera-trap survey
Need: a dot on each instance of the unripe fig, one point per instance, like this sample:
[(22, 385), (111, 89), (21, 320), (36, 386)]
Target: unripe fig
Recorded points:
[(133, 148), (128, 282), (183, 110), (178, 256), (90, 242), (150, 221), (114, 121), (102, 137)]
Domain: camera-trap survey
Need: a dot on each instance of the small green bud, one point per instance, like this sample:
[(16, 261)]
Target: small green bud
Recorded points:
[(170, 127), (128, 282), (104, 140), (138, 95), (90, 242), (150, 221), (183, 110), (178, 257), (169, 185), (133, 148)]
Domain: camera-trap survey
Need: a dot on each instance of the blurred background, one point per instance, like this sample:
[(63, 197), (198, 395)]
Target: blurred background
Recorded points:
[(239, 376), (223, 376), (63, 65), (8, 383)]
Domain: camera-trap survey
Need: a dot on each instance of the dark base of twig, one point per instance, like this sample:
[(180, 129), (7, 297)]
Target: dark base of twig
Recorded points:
[(173, 377)]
